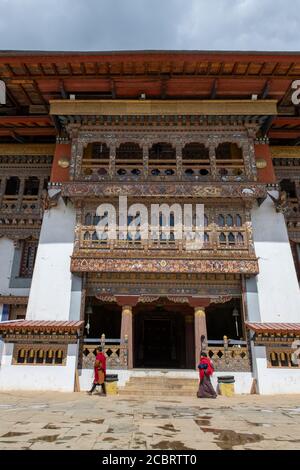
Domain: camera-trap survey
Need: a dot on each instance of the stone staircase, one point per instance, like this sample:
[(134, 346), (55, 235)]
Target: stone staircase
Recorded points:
[(159, 387)]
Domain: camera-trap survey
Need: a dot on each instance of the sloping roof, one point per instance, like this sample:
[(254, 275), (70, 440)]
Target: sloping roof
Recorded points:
[(274, 327)]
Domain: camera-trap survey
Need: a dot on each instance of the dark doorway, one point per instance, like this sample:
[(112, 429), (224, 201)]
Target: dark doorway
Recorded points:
[(159, 338), (105, 318), (157, 342), (225, 320)]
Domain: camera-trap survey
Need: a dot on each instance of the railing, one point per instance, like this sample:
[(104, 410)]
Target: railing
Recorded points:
[(186, 169), (230, 169), (115, 350), (20, 204), (229, 355), (220, 238)]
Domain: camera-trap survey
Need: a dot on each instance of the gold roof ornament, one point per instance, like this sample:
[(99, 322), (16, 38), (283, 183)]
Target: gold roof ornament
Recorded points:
[(261, 163), (64, 162)]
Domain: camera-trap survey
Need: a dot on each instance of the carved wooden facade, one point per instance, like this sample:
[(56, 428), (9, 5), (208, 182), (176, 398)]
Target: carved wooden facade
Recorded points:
[(24, 176)]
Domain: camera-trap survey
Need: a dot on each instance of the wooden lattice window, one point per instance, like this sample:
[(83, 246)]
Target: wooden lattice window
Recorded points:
[(28, 258), (38, 354)]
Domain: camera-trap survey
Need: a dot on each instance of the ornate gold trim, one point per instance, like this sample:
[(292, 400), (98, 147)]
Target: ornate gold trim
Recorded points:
[(285, 151), (27, 149), (163, 107)]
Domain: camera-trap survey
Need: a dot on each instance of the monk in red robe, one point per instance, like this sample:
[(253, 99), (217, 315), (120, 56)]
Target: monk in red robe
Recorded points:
[(206, 370), (99, 371)]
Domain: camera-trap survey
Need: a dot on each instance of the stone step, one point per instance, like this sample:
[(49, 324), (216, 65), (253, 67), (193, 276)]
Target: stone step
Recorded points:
[(157, 393), (155, 380), (159, 387), (150, 386)]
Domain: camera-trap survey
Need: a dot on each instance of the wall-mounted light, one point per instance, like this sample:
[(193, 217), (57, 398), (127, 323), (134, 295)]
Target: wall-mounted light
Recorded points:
[(235, 314), (89, 312)]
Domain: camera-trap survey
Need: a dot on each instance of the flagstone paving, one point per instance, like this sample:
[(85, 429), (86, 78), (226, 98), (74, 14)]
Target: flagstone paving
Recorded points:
[(78, 421)]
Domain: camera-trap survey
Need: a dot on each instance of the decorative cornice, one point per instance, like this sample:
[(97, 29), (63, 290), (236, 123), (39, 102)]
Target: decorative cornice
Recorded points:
[(245, 191), (164, 265)]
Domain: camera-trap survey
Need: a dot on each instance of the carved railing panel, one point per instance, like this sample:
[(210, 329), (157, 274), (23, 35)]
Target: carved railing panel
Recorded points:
[(234, 358), (116, 355)]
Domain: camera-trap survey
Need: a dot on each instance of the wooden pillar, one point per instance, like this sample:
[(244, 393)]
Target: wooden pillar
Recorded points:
[(145, 161), (179, 161), (200, 330), (213, 161), (126, 330), (112, 161), (2, 187), (21, 192)]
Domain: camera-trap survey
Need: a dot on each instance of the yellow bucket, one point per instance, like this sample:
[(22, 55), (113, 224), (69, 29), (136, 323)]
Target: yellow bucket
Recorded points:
[(227, 390), (111, 388)]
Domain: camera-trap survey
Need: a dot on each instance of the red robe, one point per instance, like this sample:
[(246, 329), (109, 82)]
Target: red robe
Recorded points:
[(209, 371), (102, 360)]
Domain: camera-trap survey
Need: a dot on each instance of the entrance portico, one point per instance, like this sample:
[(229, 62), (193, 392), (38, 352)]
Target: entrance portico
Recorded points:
[(164, 332)]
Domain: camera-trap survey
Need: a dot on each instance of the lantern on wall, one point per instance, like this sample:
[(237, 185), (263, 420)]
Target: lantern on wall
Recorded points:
[(89, 312), (235, 314)]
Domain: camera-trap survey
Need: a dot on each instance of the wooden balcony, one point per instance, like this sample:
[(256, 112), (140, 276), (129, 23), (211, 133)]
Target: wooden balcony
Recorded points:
[(216, 239)]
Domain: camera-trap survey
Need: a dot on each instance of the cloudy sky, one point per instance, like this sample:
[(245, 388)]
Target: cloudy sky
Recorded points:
[(150, 24)]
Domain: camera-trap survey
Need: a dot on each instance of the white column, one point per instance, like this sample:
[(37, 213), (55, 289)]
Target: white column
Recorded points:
[(273, 295), (277, 285), (51, 289)]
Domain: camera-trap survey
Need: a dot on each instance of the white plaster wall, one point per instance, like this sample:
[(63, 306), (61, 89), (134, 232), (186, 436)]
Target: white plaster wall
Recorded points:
[(273, 381), (43, 378), (277, 285), (7, 250), (243, 380), (50, 295)]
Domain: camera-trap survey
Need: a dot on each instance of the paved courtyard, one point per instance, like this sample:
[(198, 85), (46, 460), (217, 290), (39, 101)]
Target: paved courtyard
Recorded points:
[(78, 421)]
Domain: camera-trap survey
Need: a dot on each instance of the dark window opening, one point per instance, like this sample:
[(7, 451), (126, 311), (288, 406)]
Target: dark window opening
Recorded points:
[(195, 151), (162, 151), (12, 186), (227, 151), (31, 186), (289, 187)]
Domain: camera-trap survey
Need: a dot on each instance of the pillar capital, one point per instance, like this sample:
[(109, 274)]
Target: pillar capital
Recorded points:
[(199, 312), (126, 310)]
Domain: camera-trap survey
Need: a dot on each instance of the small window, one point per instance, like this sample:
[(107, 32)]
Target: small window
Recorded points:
[(231, 239), (31, 187), (229, 220), (28, 258), (12, 186), (88, 219), (221, 220), (240, 238), (222, 238), (238, 220)]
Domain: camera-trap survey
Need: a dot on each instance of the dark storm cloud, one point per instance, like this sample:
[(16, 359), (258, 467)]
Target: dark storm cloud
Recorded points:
[(149, 24)]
